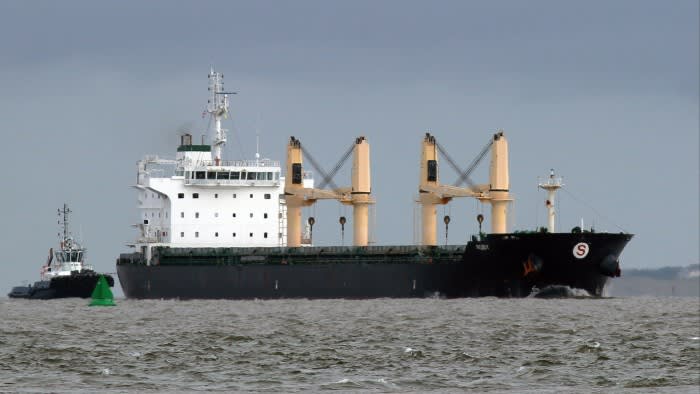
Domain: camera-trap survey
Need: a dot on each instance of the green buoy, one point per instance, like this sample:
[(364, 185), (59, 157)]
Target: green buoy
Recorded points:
[(102, 295)]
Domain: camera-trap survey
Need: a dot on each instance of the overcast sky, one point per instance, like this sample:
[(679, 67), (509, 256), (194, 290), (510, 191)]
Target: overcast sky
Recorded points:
[(605, 92)]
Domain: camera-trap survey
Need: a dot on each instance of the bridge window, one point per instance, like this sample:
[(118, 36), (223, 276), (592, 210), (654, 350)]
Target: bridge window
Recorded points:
[(195, 195), (261, 176), (267, 196), (269, 176), (200, 174), (235, 175), (181, 195), (251, 176), (211, 175), (222, 175)]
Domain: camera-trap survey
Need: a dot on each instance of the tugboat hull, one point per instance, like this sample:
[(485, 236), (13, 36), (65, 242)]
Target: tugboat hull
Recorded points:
[(78, 285)]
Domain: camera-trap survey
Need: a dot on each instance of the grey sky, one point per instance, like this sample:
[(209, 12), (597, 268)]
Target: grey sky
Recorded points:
[(606, 92)]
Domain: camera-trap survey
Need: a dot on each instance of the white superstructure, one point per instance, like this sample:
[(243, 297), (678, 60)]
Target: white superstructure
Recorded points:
[(200, 200)]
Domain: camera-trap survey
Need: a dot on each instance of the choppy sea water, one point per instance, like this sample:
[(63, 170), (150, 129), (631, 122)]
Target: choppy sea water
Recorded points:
[(385, 345)]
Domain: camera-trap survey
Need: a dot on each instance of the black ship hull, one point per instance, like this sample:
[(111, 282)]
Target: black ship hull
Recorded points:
[(503, 265), (78, 284)]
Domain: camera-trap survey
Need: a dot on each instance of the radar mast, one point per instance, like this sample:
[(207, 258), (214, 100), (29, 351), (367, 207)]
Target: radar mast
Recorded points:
[(217, 108)]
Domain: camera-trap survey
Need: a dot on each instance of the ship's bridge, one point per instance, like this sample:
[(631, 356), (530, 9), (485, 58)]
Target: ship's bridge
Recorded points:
[(263, 172)]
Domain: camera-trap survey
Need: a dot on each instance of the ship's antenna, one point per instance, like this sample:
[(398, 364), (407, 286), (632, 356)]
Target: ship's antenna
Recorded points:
[(257, 138), (257, 144), (217, 107), (551, 185), (63, 221)]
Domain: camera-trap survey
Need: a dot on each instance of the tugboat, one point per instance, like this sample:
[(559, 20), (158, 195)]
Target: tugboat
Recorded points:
[(65, 273)]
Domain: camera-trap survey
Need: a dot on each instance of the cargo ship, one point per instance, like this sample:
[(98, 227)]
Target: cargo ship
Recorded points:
[(216, 229), (65, 274)]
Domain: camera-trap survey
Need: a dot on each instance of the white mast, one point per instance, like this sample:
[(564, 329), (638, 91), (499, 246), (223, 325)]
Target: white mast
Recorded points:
[(551, 185), (217, 109)]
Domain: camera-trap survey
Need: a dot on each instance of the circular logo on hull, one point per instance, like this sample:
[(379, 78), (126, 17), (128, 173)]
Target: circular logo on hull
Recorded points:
[(581, 250)]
